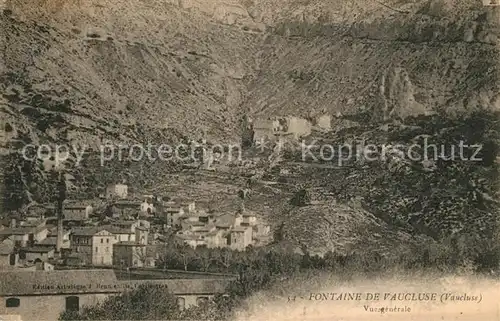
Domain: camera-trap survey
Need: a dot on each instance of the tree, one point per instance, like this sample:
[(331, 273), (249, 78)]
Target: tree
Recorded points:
[(301, 198), (147, 302), (217, 309), (205, 258), (225, 258), (186, 255)]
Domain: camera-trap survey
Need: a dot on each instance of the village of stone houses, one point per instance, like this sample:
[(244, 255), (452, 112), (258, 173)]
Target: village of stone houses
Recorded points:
[(345, 149), (84, 247), (127, 237), (205, 237), (74, 252)]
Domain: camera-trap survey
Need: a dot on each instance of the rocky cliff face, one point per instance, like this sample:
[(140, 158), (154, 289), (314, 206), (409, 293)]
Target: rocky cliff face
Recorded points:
[(84, 71), (391, 58), (156, 71)]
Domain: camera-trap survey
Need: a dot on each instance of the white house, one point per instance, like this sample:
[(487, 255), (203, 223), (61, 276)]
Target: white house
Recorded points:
[(324, 121), (117, 191), (147, 207)]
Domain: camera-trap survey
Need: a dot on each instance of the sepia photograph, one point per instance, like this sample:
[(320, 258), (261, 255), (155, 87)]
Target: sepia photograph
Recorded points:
[(250, 160)]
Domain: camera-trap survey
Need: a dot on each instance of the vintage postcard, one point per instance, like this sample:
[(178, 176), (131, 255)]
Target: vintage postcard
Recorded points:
[(250, 160)]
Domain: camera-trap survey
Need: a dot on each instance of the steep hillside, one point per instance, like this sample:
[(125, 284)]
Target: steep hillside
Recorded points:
[(85, 71), (341, 229), (390, 58), (157, 71), (82, 71)]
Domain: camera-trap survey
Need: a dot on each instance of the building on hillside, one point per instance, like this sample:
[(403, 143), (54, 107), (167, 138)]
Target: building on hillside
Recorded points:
[(190, 239), (37, 212), (79, 211), (239, 238), (188, 206), (131, 254), (198, 228), (25, 236), (93, 245), (147, 208), (120, 234), (44, 295), (238, 219), (296, 126), (33, 254), (126, 208), (248, 218), (127, 231), (119, 191), (274, 128), (134, 254), (19, 236), (216, 238), (265, 129), (226, 221), (131, 225), (44, 266), (206, 218), (8, 257), (173, 211), (141, 235), (324, 121), (173, 215), (40, 223), (51, 241), (67, 223), (234, 230), (53, 232), (261, 230), (223, 225)]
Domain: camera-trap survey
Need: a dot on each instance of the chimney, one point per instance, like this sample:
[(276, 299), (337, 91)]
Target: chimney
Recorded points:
[(59, 242), (13, 223), (60, 216), (242, 206)]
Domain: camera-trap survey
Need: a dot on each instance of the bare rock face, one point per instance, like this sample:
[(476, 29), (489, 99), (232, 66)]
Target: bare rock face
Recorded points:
[(341, 229), (402, 59), (80, 71), (397, 93), (83, 72)]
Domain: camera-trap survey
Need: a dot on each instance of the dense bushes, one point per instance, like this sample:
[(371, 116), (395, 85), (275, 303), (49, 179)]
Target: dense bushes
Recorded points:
[(144, 303), (442, 198), (260, 269)]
